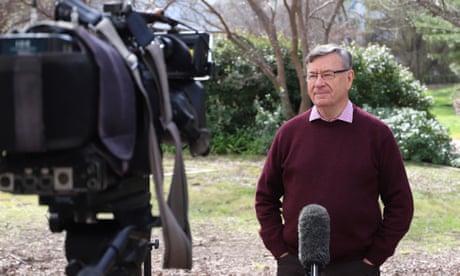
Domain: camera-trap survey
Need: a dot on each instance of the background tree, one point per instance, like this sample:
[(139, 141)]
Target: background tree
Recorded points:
[(303, 23), (441, 26), (423, 34), (17, 13), (13, 13), (448, 10)]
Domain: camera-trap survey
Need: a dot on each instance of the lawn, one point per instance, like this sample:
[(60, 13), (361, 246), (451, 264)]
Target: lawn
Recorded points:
[(436, 191), (443, 108), (225, 196)]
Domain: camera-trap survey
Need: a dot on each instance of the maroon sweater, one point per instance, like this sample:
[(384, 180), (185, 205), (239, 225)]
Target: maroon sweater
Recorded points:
[(345, 168)]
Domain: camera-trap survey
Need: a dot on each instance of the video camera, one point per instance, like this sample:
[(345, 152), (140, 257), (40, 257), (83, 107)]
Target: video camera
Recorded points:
[(85, 102)]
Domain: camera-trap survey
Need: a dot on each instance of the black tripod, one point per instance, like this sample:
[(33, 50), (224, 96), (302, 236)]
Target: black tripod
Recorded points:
[(106, 246)]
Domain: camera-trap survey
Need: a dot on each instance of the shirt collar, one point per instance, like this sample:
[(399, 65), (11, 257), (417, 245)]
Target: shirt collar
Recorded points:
[(346, 115)]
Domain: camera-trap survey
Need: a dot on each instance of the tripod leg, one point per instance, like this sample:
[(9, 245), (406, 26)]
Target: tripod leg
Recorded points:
[(148, 257)]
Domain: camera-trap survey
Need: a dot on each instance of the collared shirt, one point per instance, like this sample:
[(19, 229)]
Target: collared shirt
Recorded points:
[(346, 115)]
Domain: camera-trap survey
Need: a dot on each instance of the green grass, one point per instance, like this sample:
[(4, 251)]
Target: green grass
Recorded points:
[(19, 211), (443, 108), (436, 191), (224, 194)]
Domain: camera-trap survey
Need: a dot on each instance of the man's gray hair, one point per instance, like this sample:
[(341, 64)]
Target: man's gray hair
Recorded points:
[(326, 49)]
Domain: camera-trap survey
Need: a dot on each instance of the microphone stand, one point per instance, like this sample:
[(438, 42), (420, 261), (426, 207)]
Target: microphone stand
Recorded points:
[(314, 270)]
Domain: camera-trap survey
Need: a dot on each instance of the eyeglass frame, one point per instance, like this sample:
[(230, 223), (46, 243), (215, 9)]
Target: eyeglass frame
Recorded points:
[(316, 75)]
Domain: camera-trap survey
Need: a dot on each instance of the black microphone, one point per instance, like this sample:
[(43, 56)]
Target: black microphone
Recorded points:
[(314, 236)]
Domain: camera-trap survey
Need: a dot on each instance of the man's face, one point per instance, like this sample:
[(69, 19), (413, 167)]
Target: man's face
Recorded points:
[(332, 92)]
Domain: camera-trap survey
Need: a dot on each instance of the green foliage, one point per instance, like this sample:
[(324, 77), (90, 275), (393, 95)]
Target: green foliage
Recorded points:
[(233, 88), (437, 31), (227, 143), (419, 136), (266, 125), (244, 112), (401, 30), (253, 140), (390, 91), (380, 81), (238, 94)]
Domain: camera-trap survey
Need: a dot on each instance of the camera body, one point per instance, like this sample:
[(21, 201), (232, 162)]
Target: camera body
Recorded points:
[(56, 119), (48, 113)]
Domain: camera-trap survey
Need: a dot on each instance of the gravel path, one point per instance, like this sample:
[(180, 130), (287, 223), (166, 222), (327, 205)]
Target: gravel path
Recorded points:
[(216, 251)]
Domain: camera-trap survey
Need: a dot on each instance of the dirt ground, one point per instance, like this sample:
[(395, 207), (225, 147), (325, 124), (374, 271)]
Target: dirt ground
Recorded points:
[(216, 251)]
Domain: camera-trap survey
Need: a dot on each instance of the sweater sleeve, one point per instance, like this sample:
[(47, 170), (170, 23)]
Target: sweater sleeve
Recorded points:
[(397, 199), (268, 202)]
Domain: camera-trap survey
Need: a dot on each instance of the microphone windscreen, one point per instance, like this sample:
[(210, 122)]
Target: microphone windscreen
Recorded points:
[(314, 235)]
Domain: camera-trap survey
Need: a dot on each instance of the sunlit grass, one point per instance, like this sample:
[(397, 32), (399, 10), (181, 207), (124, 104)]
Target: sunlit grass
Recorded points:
[(20, 211), (435, 224), (225, 196), (443, 108), (224, 193)]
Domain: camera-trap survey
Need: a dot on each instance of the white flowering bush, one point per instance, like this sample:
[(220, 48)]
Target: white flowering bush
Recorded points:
[(419, 136), (380, 81)]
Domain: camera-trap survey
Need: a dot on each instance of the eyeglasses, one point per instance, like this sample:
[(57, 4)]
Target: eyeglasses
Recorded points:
[(326, 75)]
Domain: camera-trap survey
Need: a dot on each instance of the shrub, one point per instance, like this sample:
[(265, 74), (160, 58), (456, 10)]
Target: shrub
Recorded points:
[(233, 88), (236, 85), (380, 81), (244, 112), (253, 140), (419, 137), (266, 125), (239, 142), (390, 91)]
